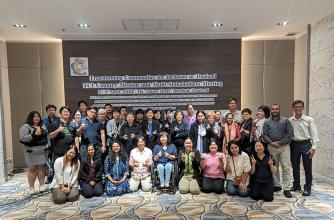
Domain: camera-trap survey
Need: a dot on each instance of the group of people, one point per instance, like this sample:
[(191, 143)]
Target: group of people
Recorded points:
[(113, 151)]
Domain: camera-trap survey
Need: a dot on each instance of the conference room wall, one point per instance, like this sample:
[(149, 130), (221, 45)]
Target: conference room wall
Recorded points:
[(6, 152), (321, 92), (35, 80), (267, 74), (300, 70)]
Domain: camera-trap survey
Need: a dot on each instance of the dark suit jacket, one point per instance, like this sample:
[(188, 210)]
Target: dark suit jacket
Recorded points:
[(152, 140), (84, 170)]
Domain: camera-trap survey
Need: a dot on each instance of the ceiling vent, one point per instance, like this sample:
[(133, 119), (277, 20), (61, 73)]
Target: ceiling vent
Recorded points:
[(150, 24)]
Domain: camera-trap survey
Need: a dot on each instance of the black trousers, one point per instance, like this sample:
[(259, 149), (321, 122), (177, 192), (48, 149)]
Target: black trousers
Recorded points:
[(299, 149), (215, 185), (89, 191), (263, 191)]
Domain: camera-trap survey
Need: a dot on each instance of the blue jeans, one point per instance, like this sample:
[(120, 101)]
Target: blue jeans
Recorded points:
[(164, 173), (234, 190)]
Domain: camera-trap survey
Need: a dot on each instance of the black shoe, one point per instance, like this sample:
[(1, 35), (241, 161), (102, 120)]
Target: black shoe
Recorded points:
[(295, 188), (277, 188), (306, 192), (287, 194)]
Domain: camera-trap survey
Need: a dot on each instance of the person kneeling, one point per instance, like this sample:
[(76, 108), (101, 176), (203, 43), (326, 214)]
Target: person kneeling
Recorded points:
[(140, 162), (263, 169), (64, 186), (237, 168), (116, 170), (213, 166), (90, 176), (189, 172)]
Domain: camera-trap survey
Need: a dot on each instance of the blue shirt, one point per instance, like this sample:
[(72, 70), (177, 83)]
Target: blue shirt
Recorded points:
[(92, 132), (171, 149), (47, 122)]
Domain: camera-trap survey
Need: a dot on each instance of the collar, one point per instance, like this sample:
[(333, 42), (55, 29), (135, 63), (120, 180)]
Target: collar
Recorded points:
[(144, 151), (301, 118), (279, 118)]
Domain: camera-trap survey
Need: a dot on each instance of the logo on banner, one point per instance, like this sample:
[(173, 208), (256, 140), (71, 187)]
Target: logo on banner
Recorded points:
[(79, 66)]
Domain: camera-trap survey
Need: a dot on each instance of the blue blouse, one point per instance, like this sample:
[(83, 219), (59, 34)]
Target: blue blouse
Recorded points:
[(171, 149), (116, 170)]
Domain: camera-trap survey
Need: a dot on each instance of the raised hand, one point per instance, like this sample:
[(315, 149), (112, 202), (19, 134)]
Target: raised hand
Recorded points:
[(38, 131), (253, 160)]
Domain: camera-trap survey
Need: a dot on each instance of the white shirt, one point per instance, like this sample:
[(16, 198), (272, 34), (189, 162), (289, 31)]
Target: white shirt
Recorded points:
[(69, 176), (304, 128), (241, 164), (141, 157)]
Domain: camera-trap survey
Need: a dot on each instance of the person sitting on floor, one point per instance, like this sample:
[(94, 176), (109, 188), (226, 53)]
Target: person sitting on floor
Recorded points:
[(263, 169), (212, 165), (64, 186), (90, 176), (237, 167), (140, 162), (189, 171), (116, 168)]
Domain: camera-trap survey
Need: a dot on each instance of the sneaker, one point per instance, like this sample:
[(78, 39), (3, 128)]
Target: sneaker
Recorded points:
[(42, 188), (31, 191)]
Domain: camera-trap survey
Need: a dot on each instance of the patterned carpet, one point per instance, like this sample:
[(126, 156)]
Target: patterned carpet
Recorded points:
[(16, 204)]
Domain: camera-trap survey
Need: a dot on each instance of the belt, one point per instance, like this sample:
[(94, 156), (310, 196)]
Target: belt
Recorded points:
[(302, 141)]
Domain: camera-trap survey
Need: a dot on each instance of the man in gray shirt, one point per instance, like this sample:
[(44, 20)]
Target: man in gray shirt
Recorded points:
[(278, 132)]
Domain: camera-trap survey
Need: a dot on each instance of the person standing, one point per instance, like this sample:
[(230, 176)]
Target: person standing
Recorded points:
[(114, 125), (92, 132), (128, 132), (303, 145), (179, 130), (151, 129), (245, 131), (277, 133), (82, 107), (232, 108), (47, 121), (109, 111), (63, 133), (190, 118), (33, 134)]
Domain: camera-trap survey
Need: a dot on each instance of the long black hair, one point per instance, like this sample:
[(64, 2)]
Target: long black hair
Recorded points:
[(266, 110), (233, 142), (200, 112), (122, 154), (30, 118)]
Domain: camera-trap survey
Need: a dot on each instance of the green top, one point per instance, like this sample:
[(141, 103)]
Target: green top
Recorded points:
[(188, 168)]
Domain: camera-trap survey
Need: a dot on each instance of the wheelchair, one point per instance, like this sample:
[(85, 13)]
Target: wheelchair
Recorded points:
[(173, 184)]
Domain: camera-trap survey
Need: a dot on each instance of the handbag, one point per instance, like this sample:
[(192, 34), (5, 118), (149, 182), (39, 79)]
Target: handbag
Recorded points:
[(237, 179)]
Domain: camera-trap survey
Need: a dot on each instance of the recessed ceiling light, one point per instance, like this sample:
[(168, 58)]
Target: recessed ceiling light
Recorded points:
[(283, 23), (19, 25), (83, 25), (217, 25)]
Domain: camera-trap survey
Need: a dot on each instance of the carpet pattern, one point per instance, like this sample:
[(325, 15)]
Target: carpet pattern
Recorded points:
[(15, 203)]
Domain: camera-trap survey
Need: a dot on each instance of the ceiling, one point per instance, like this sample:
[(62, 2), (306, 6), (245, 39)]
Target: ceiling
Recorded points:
[(251, 19)]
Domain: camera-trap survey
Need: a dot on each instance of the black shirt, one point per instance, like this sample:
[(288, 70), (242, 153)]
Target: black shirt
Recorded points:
[(65, 138), (262, 172)]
